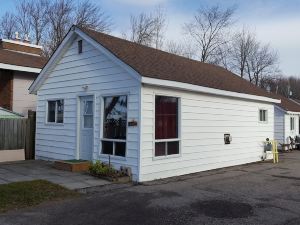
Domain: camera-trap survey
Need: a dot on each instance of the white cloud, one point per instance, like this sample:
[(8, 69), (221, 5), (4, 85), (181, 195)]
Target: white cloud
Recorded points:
[(283, 35)]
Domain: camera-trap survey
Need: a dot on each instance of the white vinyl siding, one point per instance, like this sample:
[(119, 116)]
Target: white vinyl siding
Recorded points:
[(204, 121), (287, 129), (67, 80), (279, 125)]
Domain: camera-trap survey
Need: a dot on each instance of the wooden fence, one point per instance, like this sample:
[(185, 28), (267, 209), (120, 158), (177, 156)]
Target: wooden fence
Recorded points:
[(19, 133)]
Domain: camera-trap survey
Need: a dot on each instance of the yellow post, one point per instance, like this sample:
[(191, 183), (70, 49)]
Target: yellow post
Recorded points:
[(275, 151)]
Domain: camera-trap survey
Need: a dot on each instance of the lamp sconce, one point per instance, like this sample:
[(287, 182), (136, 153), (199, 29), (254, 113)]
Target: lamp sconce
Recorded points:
[(85, 87), (227, 139), (132, 123)]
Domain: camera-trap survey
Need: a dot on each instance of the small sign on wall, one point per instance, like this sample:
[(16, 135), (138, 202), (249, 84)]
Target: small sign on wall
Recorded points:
[(132, 123)]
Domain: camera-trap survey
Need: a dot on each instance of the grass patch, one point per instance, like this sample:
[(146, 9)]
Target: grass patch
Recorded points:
[(29, 193)]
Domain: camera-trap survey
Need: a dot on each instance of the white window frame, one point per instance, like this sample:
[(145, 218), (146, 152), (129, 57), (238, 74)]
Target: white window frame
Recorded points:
[(292, 124), (89, 114), (55, 115), (266, 115), (171, 139), (102, 123)]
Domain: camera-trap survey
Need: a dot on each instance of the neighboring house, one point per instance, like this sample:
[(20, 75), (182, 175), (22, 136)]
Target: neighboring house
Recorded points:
[(286, 121), (5, 113), (20, 64), (160, 114)]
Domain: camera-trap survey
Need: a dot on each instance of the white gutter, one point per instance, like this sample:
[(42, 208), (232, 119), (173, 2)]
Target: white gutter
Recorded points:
[(19, 68), (213, 91), (291, 112)]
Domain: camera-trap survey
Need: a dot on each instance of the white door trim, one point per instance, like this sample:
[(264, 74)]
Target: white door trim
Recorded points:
[(77, 150)]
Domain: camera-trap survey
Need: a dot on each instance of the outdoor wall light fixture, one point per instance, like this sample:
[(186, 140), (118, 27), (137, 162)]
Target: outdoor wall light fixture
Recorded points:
[(85, 87), (227, 139)]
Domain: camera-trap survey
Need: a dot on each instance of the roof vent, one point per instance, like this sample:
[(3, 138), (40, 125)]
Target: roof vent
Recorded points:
[(17, 38), (26, 39)]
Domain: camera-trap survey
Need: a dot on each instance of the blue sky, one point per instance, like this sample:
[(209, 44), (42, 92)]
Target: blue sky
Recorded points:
[(274, 21)]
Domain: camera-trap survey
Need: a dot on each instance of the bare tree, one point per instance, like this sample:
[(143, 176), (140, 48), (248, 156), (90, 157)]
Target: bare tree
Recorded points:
[(242, 47), (63, 13), (223, 56), (261, 63), (142, 29), (147, 29), (23, 18), (209, 29), (160, 26), (60, 20), (183, 49), (37, 11), (8, 25), (90, 15)]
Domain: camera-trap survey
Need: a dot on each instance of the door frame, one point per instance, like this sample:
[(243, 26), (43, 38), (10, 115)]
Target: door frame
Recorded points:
[(78, 122)]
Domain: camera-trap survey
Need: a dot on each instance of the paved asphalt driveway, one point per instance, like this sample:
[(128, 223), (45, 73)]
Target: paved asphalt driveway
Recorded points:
[(261, 193)]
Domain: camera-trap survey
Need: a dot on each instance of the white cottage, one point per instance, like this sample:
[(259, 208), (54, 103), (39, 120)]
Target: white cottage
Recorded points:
[(160, 114), (286, 121)]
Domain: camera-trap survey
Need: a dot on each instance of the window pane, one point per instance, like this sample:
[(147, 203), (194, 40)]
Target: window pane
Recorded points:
[(88, 108), (260, 115), (60, 111), (292, 123), (120, 148), (115, 117), (51, 111), (88, 121), (173, 147), (107, 147), (166, 117), (160, 149)]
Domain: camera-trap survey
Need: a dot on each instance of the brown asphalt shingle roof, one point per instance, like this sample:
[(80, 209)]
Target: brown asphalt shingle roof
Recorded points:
[(153, 63), (21, 59), (287, 104)]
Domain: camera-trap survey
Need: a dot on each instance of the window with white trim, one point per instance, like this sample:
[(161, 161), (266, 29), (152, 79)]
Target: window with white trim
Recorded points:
[(292, 123), (114, 125), (263, 115), (55, 113), (166, 126)]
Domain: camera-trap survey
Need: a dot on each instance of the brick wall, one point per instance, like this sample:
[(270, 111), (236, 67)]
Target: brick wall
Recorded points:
[(6, 89)]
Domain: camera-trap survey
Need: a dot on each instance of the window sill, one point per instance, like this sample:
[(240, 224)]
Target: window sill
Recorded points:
[(112, 157), (54, 124), (263, 122), (166, 157), (113, 140)]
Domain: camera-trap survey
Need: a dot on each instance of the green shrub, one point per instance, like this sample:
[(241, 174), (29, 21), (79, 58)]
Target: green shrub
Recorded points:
[(100, 169)]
